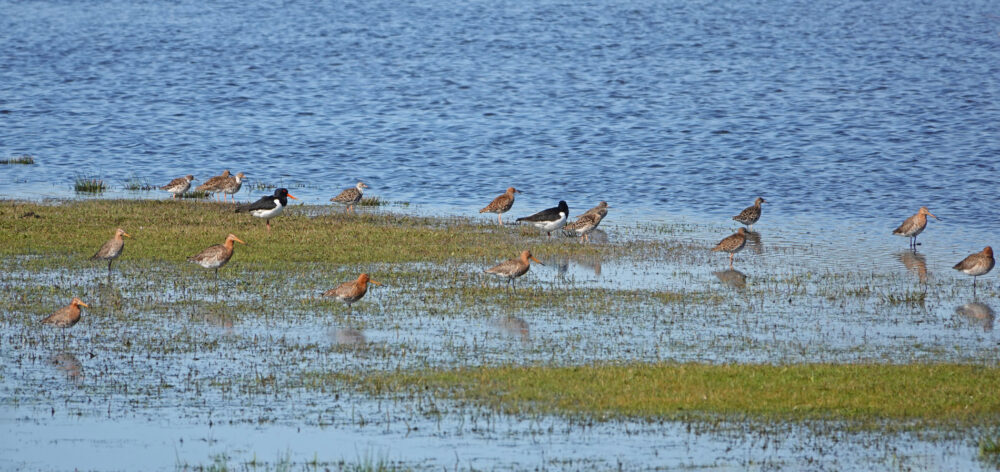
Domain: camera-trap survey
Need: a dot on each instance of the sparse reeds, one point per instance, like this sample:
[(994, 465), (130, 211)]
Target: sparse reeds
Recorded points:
[(84, 184), (19, 160)]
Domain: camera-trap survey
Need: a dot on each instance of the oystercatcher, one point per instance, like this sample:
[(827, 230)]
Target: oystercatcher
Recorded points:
[(550, 219), (268, 207)]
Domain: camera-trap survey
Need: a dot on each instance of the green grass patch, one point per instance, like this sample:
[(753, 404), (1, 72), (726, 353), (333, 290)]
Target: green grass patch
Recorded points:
[(23, 160), (137, 184), (863, 393), (174, 230), (195, 194)]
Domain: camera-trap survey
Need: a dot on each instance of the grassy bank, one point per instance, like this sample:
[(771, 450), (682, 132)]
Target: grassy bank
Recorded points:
[(174, 230), (926, 393)]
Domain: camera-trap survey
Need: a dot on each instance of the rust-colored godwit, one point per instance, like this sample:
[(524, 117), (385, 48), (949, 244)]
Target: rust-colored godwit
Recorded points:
[(350, 292), (351, 196), (501, 204), (914, 225), (178, 186), (750, 214), (111, 249), (513, 268), (977, 264), (732, 244), (214, 257), (66, 316)]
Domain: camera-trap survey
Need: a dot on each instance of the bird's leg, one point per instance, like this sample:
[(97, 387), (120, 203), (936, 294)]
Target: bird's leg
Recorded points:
[(269, 225), (109, 265), (499, 220)]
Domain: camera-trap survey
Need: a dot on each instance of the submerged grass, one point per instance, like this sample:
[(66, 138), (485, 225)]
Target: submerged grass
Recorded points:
[(945, 394)]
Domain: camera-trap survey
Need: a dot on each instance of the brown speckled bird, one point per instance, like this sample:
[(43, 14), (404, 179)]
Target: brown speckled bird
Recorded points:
[(231, 185), (111, 249), (914, 225), (750, 214), (214, 257), (977, 264), (214, 185), (178, 186), (732, 244), (66, 316), (513, 268), (350, 292), (587, 222), (501, 204), (351, 196)]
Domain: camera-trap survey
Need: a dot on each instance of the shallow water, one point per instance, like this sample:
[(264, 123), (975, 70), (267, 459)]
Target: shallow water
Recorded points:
[(863, 110), (846, 117)]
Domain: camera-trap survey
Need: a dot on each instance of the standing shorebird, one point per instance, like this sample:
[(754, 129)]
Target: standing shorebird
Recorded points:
[(513, 268), (350, 196), (111, 249), (231, 185), (732, 244), (66, 316), (501, 204), (587, 222), (178, 186), (914, 225), (350, 292), (550, 219), (214, 257), (214, 185), (268, 207), (977, 264), (750, 214)]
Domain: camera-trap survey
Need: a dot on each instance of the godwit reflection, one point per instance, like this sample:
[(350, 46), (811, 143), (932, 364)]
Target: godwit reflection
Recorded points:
[(978, 314), (515, 326), (68, 364), (916, 263)]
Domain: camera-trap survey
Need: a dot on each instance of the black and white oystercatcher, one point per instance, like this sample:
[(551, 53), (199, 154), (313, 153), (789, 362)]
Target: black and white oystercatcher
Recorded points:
[(550, 219), (268, 207)]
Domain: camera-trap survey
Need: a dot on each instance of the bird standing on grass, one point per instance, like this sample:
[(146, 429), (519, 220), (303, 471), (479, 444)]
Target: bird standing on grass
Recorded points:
[(268, 207), (587, 222), (111, 249), (501, 204), (550, 219)]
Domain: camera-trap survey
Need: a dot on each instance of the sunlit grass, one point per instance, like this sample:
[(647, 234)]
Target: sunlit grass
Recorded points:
[(89, 185), (866, 393)]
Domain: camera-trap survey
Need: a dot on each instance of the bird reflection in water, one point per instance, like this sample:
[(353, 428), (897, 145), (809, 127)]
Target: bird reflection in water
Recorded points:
[(349, 337), (978, 314), (754, 244), (588, 263), (732, 278), (515, 326), (68, 364), (916, 263)]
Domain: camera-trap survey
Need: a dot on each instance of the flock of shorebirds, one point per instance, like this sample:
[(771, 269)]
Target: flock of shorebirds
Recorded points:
[(549, 220)]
